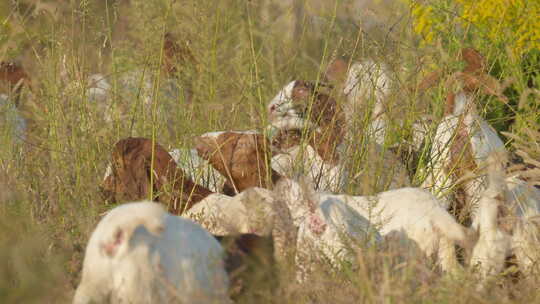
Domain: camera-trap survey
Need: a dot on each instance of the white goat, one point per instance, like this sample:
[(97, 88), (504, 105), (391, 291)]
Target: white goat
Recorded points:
[(417, 215), (139, 253), (287, 111), (327, 229), (494, 244), (368, 81), (413, 213)]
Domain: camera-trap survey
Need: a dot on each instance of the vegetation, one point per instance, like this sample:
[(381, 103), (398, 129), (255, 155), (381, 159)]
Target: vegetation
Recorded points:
[(242, 53)]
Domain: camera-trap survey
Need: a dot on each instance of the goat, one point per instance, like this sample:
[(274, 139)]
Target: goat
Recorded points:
[(140, 166), (242, 158), (321, 157), (362, 82), (413, 213), (462, 140), (507, 222), (327, 229), (307, 127), (139, 253), (266, 256), (494, 244), (304, 158), (300, 105)]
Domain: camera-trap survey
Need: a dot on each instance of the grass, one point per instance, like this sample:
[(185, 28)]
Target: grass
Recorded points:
[(49, 199)]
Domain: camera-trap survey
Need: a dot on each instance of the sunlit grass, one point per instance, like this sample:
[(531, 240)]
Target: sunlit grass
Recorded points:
[(50, 202)]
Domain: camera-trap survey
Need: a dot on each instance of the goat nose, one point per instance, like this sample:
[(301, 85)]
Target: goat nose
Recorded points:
[(272, 108)]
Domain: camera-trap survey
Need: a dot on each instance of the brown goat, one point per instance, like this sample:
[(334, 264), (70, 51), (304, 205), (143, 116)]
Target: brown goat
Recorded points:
[(243, 159), (131, 176)]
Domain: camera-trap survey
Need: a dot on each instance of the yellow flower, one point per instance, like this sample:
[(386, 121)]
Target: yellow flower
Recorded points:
[(511, 22)]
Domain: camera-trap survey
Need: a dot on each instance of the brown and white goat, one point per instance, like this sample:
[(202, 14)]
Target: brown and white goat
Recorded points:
[(142, 168), (308, 133), (463, 139)]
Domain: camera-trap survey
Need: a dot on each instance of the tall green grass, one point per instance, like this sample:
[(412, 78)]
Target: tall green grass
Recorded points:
[(50, 200)]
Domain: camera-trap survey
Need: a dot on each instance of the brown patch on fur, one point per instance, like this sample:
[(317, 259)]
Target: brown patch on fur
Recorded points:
[(450, 104), (302, 90), (461, 161), (473, 76), (130, 178), (336, 71), (15, 77), (243, 159), (431, 80), (484, 83), (474, 60), (174, 54), (326, 114), (286, 139), (12, 73), (504, 215)]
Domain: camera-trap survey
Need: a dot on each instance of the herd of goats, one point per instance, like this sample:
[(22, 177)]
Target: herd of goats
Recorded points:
[(286, 186)]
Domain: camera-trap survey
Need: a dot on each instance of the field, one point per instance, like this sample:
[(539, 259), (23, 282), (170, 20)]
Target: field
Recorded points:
[(236, 56)]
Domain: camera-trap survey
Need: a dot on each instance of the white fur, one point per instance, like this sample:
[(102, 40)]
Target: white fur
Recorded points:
[(159, 258), (303, 158), (198, 169), (218, 133), (368, 81), (483, 140), (525, 201), (333, 232), (418, 216), (495, 244), (225, 215), (413, 213), (281, 104)]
